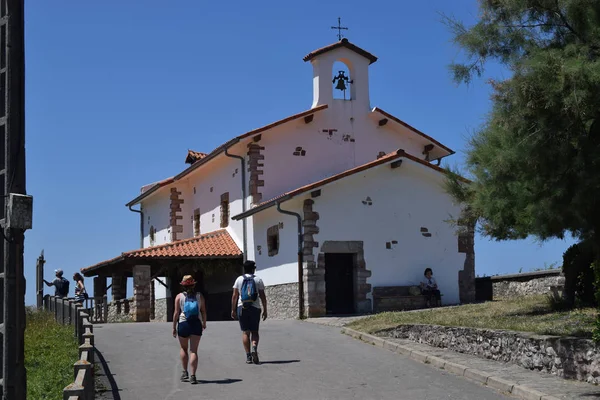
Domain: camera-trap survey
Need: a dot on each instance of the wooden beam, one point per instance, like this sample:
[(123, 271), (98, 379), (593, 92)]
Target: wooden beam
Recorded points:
[(315, 193), (257, 138), (308, 119), (396, 164), (383, 121)]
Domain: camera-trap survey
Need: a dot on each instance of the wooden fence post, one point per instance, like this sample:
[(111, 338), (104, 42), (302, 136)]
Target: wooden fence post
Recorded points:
[(39, 281)]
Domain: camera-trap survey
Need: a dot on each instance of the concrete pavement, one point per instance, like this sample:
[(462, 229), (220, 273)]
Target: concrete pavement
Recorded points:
[(299, 361)]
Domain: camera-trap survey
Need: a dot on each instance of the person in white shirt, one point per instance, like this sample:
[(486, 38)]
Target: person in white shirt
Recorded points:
[(246, 307), (429, 288)]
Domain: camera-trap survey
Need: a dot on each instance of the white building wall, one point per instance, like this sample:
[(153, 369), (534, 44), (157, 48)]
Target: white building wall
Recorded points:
[(354, 140), (404, 200), (221, 175), (156, 214), (282, 267)]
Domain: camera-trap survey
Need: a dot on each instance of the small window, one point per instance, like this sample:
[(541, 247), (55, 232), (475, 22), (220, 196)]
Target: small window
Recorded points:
[(273, 240), (225, 210), (197, 222), (152, 235)]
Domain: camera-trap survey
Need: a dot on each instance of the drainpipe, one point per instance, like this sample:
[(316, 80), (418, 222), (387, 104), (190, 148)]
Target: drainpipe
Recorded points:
[(244, 228), (300, 260), (141, 225)]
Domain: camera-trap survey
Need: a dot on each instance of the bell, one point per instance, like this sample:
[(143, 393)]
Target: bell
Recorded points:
[(340, 85)]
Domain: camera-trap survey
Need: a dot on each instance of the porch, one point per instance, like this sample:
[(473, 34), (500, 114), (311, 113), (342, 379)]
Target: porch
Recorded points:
[(213, 259)]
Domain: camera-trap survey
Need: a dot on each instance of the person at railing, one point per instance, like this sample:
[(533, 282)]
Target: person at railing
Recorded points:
[(61, 284), (80, 292)]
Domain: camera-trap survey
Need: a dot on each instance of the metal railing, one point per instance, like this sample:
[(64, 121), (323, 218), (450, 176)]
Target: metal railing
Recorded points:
[(67, 312)]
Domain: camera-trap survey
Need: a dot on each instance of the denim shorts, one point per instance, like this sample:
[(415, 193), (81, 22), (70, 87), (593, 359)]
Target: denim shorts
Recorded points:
[(249, 318), (191, 327)]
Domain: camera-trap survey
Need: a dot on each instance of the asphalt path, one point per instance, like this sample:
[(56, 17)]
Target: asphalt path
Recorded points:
[(299, 360)]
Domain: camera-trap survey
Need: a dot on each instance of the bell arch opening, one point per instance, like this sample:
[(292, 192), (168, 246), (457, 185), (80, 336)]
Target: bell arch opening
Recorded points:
[(342, 81)]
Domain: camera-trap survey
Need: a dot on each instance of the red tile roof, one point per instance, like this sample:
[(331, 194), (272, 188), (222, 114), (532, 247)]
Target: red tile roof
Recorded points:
[(288, 195), (193, 156), (342, 43), (217, 244)]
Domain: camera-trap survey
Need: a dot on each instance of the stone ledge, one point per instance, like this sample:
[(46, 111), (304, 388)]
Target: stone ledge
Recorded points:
[(519, 391), (566, 357)]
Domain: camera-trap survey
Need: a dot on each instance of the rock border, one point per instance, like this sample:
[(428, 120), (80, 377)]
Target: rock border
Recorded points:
[(566, 357), (519, 391)]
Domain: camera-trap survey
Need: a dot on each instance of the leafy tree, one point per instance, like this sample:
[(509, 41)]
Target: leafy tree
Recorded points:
[(535, 162)]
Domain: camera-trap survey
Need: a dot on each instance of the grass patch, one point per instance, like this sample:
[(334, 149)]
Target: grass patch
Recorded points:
[(537, 314), (50, 352)]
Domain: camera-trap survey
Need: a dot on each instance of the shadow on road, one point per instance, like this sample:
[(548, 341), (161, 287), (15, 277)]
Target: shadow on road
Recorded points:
[(114, 389), (280, 362), (221, 381)]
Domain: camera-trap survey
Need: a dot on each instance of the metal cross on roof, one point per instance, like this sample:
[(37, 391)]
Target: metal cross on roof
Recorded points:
[(339, 28)]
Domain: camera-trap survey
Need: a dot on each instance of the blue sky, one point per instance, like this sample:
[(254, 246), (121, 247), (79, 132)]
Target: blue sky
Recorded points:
[(117, 92)]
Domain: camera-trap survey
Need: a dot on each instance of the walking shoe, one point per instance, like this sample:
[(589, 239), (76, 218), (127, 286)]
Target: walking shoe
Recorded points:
[(193, 380), (184, 376), (254, 355), (248, 358)]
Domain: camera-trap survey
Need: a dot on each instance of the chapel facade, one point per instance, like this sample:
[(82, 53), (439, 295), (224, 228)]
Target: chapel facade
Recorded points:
[(342, 206)]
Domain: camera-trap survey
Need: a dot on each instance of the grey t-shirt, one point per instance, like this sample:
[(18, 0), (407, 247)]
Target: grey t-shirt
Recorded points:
[(259, 286), (58, 286)]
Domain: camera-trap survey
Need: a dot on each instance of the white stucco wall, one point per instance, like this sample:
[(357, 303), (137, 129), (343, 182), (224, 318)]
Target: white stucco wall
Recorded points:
[(404, 200), (326, 154), (223, 174), (282, 267), (156, 214)]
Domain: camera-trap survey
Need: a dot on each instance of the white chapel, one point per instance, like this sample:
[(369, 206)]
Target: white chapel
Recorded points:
[(342, 207)]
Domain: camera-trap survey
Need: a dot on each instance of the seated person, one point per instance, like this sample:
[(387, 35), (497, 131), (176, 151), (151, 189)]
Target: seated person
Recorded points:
[(429, 288)]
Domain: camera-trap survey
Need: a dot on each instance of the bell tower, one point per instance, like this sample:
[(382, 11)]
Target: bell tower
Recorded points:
[(334, 83)]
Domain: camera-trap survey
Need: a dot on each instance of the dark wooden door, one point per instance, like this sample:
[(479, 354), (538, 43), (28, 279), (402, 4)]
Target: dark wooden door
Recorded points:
[(339, 283)]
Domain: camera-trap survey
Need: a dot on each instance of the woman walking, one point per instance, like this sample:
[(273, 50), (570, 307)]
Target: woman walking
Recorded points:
[(80, 292), (189, 320)]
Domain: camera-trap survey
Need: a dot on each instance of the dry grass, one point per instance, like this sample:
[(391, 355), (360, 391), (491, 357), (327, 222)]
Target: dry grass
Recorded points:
[(528, 314)]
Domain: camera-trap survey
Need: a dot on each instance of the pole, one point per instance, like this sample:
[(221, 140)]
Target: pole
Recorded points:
[(39, 280), (12, 180)]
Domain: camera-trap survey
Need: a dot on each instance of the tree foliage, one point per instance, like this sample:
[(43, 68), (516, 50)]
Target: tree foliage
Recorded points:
[(535, 162)]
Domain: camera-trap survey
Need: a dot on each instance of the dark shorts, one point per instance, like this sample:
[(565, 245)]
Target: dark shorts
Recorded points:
[(187, 328), (249, 318)]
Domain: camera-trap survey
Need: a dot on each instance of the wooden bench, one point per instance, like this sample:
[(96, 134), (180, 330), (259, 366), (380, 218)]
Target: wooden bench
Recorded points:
[(397, 298)]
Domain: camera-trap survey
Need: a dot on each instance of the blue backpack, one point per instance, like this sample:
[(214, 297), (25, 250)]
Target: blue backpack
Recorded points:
[(249, 292), (191, 307)]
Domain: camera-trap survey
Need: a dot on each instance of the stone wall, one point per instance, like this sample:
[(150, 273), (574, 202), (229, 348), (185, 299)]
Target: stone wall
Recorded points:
[(570, 358), (160, 310), (530, 283), (120, 311), (255, 168), (282, 301)]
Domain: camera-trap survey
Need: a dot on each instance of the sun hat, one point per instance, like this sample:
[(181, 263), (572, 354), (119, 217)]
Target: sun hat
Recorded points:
[(188, 280)]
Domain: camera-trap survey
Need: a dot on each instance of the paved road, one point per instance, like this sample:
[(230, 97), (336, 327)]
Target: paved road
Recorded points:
[(299, 361)]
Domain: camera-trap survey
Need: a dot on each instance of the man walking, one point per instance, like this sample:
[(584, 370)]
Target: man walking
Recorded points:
[(245, 305), (61, 285)]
